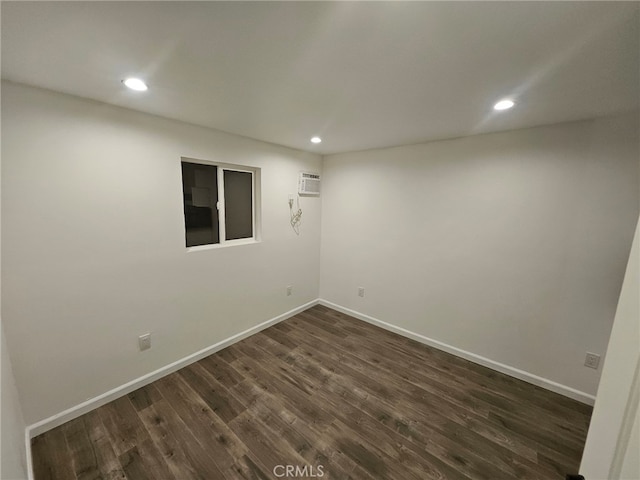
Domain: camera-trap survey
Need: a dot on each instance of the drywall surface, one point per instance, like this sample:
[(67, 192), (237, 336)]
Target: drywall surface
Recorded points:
[(93, 247), (630, 468), (511, 246), (12, 428), (611, 448), (12, 441)]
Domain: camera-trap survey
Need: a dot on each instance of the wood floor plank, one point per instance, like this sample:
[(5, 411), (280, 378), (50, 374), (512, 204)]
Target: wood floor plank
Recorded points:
[(354, 436), (133, 465), (212, 392), (130, 439), (339, 466), (145, 461), (250, 471), (184, 455), (221, 370), (106, 460), (145, 396), (294, 398), (51, 456), (497, 382), (81, 450), (456, 387), (314, 446), (443, 421), (457, 371), (274, 410), (526, 403), (369, 415), (404, 372), (230, 454), (41, 463), (432, 425), (123, 424), (270, 449), (323, 389)]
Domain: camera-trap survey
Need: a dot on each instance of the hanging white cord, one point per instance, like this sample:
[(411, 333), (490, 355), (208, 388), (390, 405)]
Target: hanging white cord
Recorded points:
[(296, 217)]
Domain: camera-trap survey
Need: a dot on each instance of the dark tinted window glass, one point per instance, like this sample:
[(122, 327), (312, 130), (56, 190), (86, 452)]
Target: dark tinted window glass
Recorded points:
[(238, 204), (200, 190)]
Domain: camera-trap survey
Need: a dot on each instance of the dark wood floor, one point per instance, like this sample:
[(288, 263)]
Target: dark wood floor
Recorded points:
[(332, 396)]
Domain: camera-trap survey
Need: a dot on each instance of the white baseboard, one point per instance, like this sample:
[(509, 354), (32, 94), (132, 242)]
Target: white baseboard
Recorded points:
[(93, 403), (582, 397)]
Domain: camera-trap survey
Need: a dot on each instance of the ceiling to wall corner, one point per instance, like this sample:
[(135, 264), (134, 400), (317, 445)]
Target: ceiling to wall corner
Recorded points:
[(360, 75)]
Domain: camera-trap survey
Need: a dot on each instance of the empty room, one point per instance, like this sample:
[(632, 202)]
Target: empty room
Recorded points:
[(338, 240)]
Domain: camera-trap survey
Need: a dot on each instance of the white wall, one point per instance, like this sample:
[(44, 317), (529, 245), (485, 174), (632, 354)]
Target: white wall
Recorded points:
[(12, 440), (510, 246), (630, 467), (12, 428), (611, 449), (93, 248), (13, 460)]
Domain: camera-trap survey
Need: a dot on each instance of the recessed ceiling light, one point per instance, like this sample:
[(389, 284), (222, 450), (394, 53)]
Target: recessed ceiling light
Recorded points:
[(316, 139), (135, 84), (505, 104)]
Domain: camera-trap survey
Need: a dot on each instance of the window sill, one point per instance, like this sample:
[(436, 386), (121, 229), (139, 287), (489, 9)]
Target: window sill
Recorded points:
[(228, 243)]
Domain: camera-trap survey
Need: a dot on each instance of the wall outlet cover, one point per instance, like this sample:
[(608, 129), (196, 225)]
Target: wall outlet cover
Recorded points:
[(144, 342), (592, 360)]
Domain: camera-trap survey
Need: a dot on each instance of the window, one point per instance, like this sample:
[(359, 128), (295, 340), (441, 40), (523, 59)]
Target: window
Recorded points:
[(219, 203)]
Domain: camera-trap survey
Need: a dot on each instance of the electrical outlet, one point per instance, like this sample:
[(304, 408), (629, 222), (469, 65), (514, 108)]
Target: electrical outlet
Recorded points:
[(592, 360), (361, 291), (289, 290), (144, 341)]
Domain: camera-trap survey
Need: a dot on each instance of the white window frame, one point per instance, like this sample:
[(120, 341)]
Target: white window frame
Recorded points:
[(220, 169)]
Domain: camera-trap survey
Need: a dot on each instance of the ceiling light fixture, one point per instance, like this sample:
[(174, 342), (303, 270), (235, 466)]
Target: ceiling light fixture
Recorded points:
[(316, 140), (135, 84), (505, 104)]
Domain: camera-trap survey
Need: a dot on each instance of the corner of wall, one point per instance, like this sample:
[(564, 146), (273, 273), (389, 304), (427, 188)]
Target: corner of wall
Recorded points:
[(13, 450)]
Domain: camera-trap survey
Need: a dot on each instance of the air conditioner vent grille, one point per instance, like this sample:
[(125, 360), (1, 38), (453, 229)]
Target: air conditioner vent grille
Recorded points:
[(309, 183)]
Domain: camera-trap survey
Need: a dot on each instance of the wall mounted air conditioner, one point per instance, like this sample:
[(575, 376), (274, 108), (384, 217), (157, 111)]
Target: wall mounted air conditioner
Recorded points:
[(309, 183)]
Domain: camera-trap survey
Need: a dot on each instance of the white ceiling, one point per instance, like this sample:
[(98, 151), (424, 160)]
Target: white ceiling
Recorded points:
[(360, 75)]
